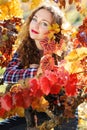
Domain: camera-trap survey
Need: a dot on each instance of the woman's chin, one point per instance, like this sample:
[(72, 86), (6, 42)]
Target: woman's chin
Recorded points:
[(34, 37)]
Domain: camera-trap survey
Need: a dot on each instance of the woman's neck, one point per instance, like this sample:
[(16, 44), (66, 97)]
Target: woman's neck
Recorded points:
[(38, 45)]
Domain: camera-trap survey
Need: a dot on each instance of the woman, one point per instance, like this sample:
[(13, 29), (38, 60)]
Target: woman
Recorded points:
[(26, 60)]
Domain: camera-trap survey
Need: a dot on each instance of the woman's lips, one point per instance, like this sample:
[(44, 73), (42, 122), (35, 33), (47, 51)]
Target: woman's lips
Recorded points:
[(33, 31)]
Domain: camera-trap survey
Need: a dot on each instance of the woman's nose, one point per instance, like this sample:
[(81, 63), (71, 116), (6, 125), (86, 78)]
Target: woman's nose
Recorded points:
[(37, 25)]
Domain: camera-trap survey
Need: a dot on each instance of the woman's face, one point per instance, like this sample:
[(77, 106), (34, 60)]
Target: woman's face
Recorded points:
[(39, 24)]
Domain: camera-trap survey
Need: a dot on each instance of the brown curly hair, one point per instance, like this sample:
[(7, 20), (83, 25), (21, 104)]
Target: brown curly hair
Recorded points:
[(27, 50)]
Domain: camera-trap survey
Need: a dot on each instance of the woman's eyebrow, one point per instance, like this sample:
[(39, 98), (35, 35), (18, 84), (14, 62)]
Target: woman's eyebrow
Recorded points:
[(46, 21), (35, 16), (42, 19)]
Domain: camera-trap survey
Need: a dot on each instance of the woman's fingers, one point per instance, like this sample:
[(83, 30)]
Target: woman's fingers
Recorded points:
[(34, 65)]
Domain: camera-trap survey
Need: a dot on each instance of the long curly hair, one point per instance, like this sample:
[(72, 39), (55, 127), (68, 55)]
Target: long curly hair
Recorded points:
[(27, 50)]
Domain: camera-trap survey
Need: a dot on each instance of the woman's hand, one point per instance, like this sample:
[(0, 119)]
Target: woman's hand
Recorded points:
[(34, 65)]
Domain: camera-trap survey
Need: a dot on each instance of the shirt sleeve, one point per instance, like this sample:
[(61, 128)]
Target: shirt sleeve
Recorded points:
[(13, 72)]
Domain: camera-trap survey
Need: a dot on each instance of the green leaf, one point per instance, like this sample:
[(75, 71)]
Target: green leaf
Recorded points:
[(5, 37)]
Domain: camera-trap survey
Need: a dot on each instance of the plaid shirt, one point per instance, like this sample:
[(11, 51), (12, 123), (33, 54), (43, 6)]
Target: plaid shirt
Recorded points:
[(13, 72)]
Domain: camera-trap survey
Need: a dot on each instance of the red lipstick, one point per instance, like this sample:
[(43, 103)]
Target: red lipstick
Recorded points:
[(34, 31)]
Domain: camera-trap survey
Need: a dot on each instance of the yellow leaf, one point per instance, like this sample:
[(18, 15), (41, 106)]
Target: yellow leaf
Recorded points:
[(19, 111), (2, 88), (40, 104), (10, 9), (82, 114), (72, 56), (54, 28), (73, 64), (77, 54), (1, 119), (34, 3), (82, 52), (16, 111), (3, 1)]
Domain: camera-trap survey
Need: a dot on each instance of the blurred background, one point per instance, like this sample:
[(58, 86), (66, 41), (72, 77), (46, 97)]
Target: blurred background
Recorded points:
[(72, 14)]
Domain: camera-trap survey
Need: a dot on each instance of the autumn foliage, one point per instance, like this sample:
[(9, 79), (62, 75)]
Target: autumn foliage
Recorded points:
[(62, 86), (8, 34)]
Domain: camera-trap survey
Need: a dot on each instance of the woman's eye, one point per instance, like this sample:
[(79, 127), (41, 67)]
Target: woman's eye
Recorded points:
[(34, 19), (44, 24)]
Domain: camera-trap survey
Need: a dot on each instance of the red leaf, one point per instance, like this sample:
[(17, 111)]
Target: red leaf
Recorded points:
[(18, 99), (71, 85), (47, 63), (51, 76), (6, 102), (49, 46), (34, 86), (27, 99), (45, 85), (2, 112), (62, 76), (39, 93), (55, 89)]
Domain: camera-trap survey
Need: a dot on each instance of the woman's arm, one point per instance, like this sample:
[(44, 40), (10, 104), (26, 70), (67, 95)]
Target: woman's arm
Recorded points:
[(14, 73)]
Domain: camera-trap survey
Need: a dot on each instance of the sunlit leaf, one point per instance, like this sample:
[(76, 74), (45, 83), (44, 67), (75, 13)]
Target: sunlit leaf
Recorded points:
[(3, 1), (40, 104), (77, 54), (15, 111), (33, 3), (10, 9)]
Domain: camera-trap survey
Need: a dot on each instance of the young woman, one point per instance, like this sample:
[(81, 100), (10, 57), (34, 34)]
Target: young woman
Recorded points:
[(26, 60)]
